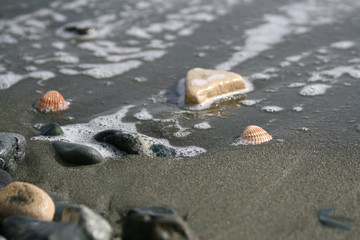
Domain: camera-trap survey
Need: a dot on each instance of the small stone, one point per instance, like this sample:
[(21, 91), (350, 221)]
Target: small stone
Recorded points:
[(202, 84), (5, 179), (156, 223), (90, 222), (74, 153), (20, 198), (24, 228), (135, 143), (52, 129), (2, 238), (12, 151)]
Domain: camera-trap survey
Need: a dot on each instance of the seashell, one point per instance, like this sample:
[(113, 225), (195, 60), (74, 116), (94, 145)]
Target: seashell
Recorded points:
[(52, 101), (253, 135)]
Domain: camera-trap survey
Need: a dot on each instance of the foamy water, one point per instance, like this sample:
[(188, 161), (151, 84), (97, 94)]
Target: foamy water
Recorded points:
[(80, 38)]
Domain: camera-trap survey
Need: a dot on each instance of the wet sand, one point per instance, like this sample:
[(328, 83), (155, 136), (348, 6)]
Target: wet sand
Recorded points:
[(272, 191)]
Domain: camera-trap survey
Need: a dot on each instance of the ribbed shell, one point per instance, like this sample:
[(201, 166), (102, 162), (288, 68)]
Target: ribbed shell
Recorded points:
[(254, 135), (52, 101)]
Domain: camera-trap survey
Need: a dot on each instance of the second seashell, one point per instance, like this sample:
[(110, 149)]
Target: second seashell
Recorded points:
[(52, 101), (253, 135)]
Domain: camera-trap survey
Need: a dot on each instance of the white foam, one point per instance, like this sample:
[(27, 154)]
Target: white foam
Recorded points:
[(207, 104), (68, 71), (42, 75), (249, 102), (143, 115), (9, 79), (302, 15), (149, 55), (314, 90), (261, 76), (343, 45), (272, 109), (296, 85), (63, 59), (82, 133), (202, 125), (297, 108), (101, 71), (31, 68), (138, 33), (140, 79), (58, 45)]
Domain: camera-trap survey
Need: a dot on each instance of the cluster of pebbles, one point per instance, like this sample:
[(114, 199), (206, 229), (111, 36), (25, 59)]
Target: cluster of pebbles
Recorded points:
[(28, 212)]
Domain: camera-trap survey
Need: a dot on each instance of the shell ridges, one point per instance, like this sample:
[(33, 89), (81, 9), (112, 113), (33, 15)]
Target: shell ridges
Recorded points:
[(52, 101), (253, 135)]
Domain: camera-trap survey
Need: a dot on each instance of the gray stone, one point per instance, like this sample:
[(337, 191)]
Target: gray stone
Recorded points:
[(52, 129), (134, 143), (5, 179), (77, 153), (92, 224), (2, 238), (155, 223), (12, 151), (24, 228)]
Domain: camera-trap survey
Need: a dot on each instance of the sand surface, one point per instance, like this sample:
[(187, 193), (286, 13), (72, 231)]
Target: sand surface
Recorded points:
[(285, 48)]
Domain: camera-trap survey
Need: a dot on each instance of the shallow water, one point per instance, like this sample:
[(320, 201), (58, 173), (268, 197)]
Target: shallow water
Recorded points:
[(107, 57)]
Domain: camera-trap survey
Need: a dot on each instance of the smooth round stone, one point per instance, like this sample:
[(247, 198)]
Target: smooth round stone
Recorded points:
[(92, 224), (156, 223), (5, 179), (2, 238), (12, 151), (25, 228), (134, 143), (74, 153), (52, 129), (20, 198)]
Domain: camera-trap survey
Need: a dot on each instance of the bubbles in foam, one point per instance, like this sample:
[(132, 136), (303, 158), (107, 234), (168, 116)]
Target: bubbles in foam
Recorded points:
[(82, 133), (101, 71), (297, 108), (314, 90), (143, 115), (249, 102), (8, 79), (202, 125), (272, 109), (343, 45), (296, 84)]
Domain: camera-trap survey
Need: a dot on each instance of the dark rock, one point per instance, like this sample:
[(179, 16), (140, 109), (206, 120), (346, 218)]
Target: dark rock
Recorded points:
[(89, 221), (5, 179), (134, 143), (52, 129), (77, 154), (12, 151), (59, 209), (155, 223), (24, 228)]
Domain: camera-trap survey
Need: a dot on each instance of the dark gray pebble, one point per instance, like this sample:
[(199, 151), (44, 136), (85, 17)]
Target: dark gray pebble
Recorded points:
[(325, 219), (77, 154), (24, 228), (134, 143), (5, 179), (52, 129), (12, 151), (89, 221), (155, 223)]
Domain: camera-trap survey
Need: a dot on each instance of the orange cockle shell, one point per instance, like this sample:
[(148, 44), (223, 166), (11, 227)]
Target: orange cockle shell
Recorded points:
[(52, 101), (253, 135)]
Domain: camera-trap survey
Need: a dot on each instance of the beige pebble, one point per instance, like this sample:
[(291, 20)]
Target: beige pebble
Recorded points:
[(20, 198), (202, 84)]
